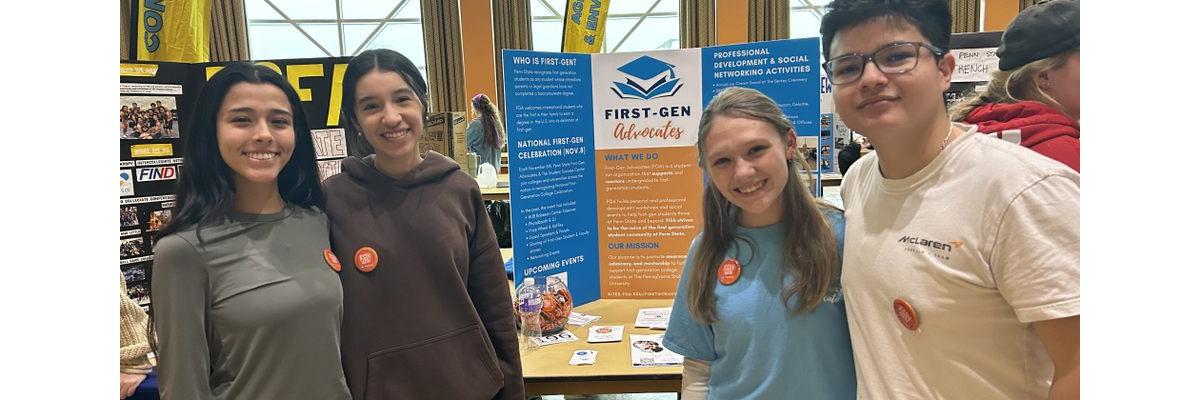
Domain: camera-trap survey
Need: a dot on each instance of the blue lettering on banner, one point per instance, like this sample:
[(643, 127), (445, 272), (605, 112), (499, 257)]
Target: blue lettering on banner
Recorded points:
[(576, 10), (593, 15), (154, 12)]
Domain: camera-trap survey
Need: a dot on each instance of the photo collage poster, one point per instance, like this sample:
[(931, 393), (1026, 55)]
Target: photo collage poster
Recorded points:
[(156, 101)]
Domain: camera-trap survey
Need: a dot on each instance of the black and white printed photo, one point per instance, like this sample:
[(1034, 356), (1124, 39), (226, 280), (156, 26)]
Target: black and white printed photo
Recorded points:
[(137, 284), (129, 216), (132, 247)]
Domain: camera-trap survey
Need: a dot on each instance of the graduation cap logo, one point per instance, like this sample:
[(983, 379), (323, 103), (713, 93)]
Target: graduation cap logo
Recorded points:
[(647, 78)]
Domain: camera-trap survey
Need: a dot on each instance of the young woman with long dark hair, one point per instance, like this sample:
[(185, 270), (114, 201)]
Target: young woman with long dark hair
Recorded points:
[(243, 301), (485, 134), (427, 300)]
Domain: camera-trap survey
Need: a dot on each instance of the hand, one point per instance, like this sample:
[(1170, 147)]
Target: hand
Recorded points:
[(129, 383)]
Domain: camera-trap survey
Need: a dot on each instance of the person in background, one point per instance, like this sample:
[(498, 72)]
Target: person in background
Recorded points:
[(962, 271), (848, 155), (1035, 95), (135, 364), (485, 134), (758, 313), (244, 297), (428, 309)]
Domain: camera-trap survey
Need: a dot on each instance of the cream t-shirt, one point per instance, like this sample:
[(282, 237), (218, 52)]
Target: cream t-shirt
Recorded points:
[(981, 243)]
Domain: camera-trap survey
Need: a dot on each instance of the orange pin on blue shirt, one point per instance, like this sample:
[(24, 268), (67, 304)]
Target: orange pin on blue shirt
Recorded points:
[(366, 259), (729, 272)]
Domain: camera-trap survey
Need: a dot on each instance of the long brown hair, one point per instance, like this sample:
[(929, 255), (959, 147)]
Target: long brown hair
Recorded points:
[(490, 117), (810, 256), (1015, 85)]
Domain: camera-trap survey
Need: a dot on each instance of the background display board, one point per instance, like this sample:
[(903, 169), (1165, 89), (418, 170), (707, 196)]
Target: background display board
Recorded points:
[(156, 101), (976, 60), (606, 190)]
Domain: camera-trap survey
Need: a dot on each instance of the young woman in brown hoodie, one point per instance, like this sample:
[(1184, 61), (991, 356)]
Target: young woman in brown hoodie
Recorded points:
[(427, 307)]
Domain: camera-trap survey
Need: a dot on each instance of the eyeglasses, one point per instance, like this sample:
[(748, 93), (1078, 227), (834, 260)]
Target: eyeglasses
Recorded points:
[(895, 58)]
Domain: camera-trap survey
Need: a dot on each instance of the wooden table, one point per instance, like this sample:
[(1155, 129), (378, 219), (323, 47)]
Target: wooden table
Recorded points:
[(547, 372), (831, 180)]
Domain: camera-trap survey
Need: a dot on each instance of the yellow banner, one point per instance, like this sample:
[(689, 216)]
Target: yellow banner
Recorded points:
[(583, 28), (147, 70), (173, 30), (150, 150)]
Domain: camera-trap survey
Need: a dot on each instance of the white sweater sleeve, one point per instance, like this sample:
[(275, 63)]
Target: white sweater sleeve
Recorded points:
[(695, 379)]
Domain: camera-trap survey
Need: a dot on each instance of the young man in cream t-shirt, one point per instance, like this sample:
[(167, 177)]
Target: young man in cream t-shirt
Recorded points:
[(961, 269)]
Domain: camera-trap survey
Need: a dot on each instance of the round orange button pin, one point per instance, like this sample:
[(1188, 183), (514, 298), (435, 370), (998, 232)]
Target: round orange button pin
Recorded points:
[(366, 259), (906, 314), (729, 272), (332, 260)]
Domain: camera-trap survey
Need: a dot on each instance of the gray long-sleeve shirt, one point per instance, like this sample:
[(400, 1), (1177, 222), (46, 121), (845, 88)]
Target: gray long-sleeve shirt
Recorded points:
[(253, 312)]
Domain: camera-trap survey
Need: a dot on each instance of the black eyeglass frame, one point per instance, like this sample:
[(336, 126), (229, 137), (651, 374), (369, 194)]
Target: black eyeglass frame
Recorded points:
[(828, 65)]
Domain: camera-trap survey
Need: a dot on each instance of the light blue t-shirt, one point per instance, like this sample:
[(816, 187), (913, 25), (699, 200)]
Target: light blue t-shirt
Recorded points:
[(757, 348)]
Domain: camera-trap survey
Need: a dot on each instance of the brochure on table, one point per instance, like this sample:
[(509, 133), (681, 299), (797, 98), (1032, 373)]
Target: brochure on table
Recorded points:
[(606, 191)]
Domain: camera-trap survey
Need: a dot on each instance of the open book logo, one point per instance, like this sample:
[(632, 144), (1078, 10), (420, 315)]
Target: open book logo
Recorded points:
[(647, 78)]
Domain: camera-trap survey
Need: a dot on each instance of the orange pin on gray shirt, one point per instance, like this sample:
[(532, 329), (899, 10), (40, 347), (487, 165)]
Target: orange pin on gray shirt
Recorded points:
[(729, 272), (332, 260), (906, 314), (366, 259)]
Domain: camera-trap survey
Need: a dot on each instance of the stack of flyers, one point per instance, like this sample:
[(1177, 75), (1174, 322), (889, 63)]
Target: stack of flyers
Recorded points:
[(583, 357), (648, 351), (653, 318), (606, 333), (578, 319), (561, 337)]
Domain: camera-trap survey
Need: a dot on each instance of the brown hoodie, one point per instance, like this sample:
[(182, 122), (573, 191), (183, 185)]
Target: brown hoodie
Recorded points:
[(434, 318)]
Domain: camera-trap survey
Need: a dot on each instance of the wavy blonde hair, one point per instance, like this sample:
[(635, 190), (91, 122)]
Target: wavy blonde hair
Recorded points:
[(1015, 85)]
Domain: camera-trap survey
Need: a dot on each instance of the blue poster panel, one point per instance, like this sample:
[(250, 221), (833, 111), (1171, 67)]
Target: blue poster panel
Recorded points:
[(552, 172)]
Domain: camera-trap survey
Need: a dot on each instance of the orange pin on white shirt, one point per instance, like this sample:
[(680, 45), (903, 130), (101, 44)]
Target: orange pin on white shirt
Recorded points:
[(366, 259), (729, 272), (906, 314), (332, 260)]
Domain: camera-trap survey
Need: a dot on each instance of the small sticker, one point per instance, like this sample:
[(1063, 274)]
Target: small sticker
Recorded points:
[(578, 319), (561, 337), (583, 357), (126, 182), (606, 333)]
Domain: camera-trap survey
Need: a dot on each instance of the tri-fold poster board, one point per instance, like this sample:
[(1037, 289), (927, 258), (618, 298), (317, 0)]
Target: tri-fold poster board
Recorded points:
[(605, 184)]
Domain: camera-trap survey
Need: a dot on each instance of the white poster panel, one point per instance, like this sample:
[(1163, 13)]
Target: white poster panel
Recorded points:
[(647, 100)]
